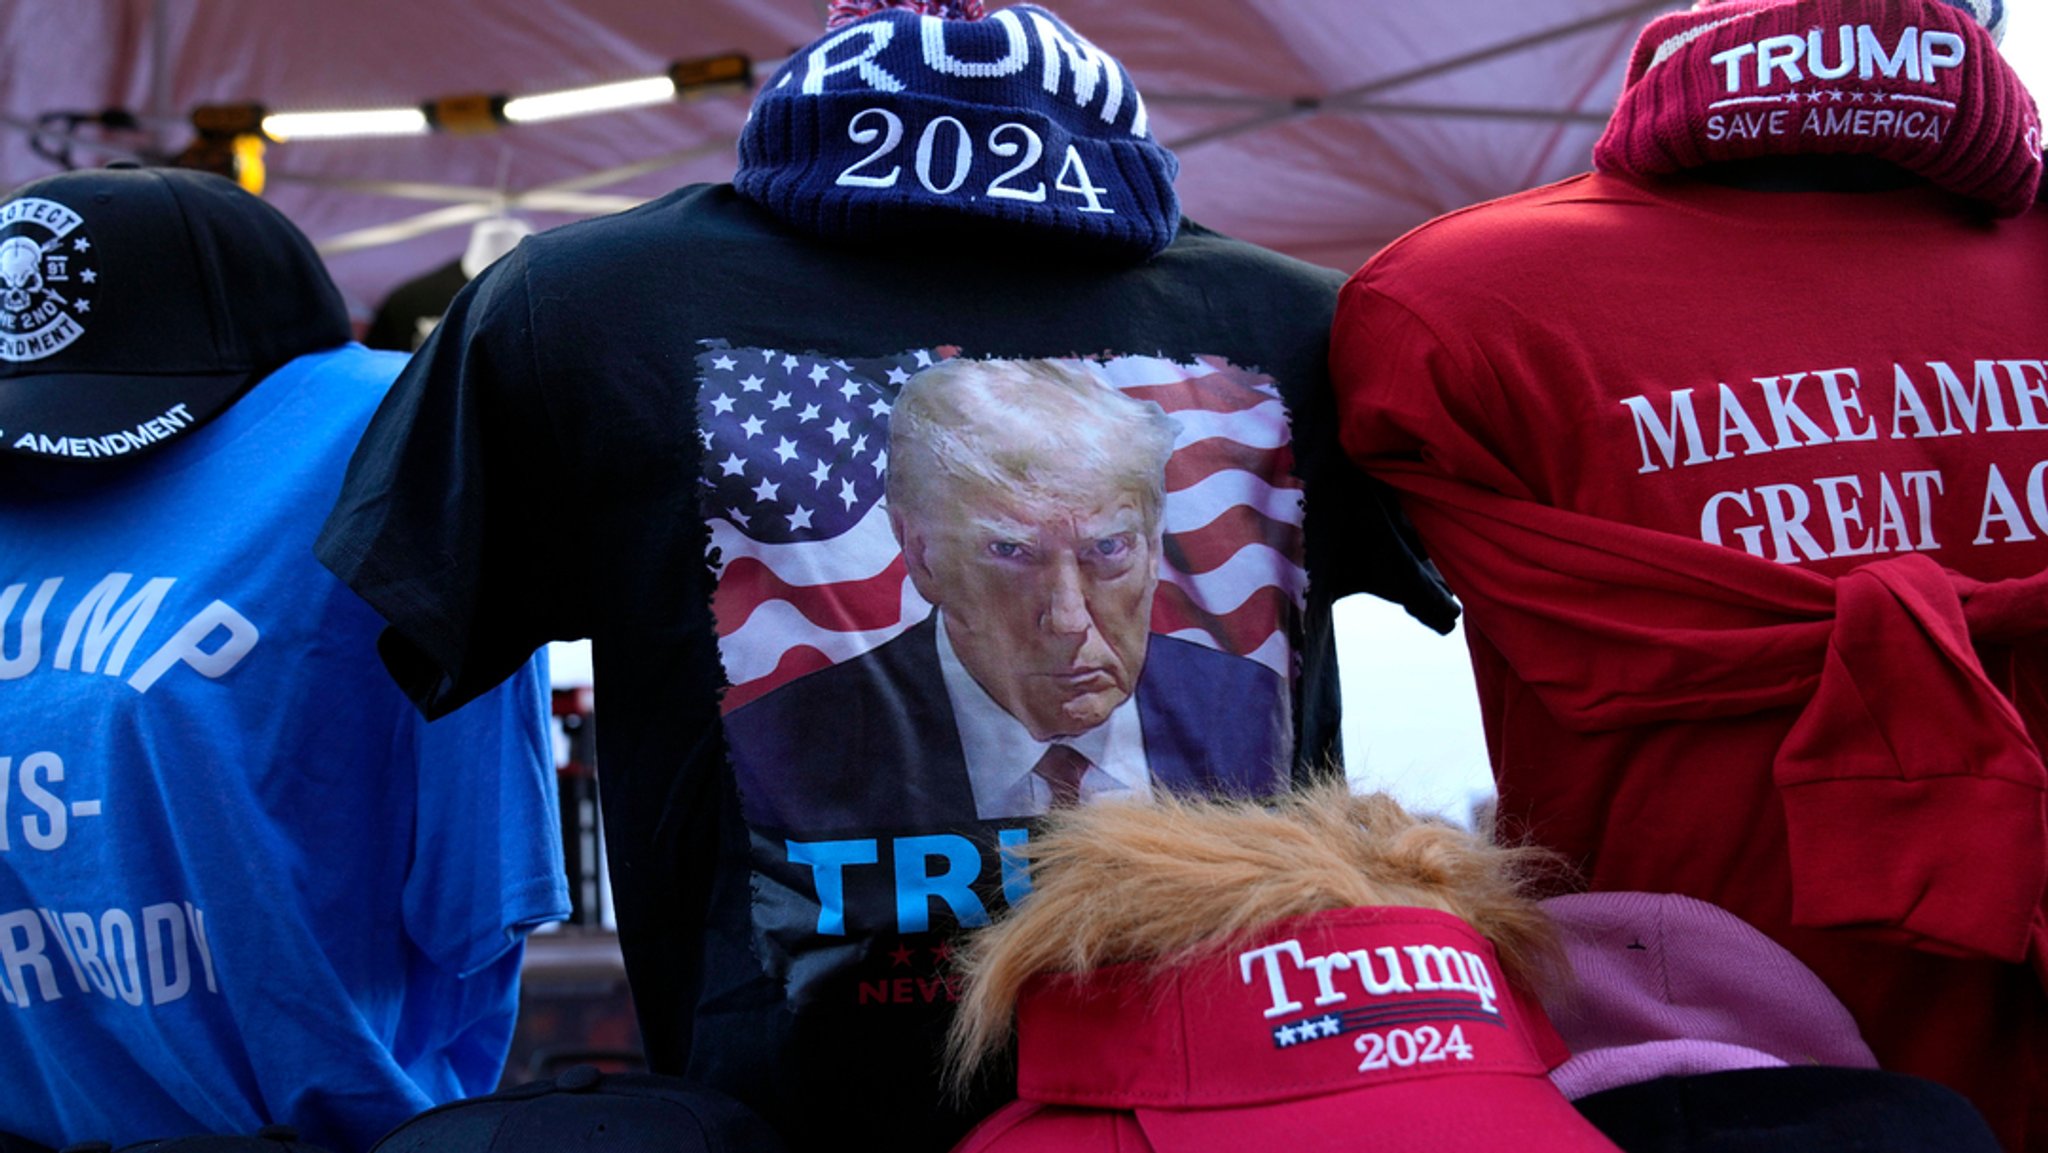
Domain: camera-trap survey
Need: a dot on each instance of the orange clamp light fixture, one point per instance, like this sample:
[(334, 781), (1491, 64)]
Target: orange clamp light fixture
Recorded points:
[(473, 114), (239, 158), (225, 121), (708, 74), (228, 140)]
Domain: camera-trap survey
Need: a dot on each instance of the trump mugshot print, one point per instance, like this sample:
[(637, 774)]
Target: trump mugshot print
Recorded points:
[(952, 594)]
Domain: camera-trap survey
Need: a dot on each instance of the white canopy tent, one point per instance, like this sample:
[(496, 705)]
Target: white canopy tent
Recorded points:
[(1322, 128)]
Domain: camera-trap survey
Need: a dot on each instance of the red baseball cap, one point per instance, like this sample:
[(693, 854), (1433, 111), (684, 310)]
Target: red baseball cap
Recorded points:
[(1352, 1029)]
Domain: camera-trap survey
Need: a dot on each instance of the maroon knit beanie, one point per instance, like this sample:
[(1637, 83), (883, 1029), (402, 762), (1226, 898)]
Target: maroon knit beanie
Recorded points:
[(1919, 83)]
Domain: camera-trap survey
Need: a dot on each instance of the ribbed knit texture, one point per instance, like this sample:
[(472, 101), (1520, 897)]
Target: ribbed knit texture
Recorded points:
[(1989, 13), (1919, 83), (900, 126), (1670, 986), (848, 11)]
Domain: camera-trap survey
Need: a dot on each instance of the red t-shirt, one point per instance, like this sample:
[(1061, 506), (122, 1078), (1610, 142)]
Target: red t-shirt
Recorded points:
[(1649, 432)]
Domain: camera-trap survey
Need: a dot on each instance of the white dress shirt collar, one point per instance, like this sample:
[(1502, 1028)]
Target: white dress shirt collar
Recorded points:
[(1000, 751)]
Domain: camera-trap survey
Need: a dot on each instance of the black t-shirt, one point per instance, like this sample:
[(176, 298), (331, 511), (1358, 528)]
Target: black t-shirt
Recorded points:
[(667, 431), (410, 313)]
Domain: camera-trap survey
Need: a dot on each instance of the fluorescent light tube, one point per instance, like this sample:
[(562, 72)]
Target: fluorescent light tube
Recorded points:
[(599, 98), (284, 126)]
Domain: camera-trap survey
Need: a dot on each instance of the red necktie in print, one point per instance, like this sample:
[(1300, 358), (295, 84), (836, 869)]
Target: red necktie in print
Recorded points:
[(1061, 768)]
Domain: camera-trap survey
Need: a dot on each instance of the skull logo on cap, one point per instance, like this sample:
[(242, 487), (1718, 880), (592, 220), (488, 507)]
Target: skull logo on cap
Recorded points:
[(21, 272)]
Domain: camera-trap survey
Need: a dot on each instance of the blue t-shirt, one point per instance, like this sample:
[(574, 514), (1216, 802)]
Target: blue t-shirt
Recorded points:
[(241, 880)]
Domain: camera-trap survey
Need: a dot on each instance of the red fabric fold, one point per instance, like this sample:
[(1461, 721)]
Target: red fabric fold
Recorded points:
[(1900, 727)]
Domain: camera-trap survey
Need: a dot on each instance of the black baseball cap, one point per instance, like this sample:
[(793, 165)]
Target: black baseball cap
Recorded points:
[(1789, 1109), (137, 303), (269, 1139), (587, 1111)]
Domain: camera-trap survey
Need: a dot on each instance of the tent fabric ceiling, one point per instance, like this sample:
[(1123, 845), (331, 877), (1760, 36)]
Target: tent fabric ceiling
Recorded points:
[(1322, 128)]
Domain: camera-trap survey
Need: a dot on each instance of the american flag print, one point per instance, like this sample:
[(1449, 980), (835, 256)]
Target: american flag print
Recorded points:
[(808, 574)]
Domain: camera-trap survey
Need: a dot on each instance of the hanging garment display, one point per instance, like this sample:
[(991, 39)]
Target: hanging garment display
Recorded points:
[(245, 883), (1731, 467), (938, 442)]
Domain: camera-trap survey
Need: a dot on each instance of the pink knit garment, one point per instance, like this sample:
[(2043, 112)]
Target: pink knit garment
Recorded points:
[(1916, 82), (847, 11)]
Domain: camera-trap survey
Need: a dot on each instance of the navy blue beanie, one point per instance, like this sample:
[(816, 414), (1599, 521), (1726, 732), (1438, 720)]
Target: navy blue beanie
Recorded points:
[(899, 121)]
